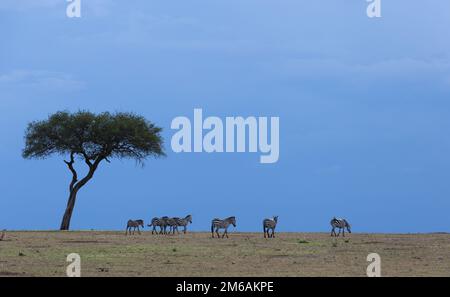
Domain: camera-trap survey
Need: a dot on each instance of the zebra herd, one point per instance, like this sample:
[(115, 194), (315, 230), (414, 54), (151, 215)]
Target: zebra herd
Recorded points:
[(168, 225), (171, 223)]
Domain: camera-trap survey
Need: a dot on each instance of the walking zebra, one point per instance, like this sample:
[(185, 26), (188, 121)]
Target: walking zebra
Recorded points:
[(159, 222), (134, 224), (218, 224), (172, 223), (270, 224), (341, 224), (184, 222)]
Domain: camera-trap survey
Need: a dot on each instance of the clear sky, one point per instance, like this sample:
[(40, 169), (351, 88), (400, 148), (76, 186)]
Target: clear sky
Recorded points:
[(364, 107)]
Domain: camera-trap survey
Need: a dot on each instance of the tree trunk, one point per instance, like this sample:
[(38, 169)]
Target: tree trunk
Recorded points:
[(75, 186), (65, 224)]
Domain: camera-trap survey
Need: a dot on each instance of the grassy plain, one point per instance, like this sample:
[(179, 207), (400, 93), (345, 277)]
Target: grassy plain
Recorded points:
[(243, 254)]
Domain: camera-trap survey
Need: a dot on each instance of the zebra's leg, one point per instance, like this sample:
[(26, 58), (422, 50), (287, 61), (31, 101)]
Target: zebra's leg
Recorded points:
[(339, 233), (273, 233), (185, 229), (343, 232), (217, 232)]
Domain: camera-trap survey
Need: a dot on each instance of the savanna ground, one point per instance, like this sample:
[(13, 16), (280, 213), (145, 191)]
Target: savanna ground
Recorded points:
[(243, 254)]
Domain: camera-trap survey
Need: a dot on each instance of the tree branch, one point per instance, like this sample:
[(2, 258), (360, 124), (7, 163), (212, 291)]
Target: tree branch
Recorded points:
[(87, 159), (72, 169), (90, 174)]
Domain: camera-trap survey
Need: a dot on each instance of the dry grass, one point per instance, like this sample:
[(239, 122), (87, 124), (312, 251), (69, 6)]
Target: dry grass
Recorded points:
[(243, 254)]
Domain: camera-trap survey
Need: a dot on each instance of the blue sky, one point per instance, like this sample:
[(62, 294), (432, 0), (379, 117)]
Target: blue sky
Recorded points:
[(363, 104)]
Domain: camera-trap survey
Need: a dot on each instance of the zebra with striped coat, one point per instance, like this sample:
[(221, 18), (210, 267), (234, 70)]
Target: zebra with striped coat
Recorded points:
[(218, 224), (172, 224), (270, 224), (159, 222), (134, 224), (184, 222), (341, 224)]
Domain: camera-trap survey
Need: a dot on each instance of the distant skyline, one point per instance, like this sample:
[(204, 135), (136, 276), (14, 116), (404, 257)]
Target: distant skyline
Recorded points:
[(363, 106)]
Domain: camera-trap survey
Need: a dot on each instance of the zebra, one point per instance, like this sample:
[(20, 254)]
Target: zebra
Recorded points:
[(159, 222), (2, 236), (134, 224), (217, 224), (172, 223), (184, 222), (270, 224), (341, 224)]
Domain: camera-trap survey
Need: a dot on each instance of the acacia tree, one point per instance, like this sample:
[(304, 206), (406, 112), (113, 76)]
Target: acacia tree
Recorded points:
[(91, 138)]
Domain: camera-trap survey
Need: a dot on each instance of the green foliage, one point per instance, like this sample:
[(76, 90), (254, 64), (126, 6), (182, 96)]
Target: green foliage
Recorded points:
[(94, 137)]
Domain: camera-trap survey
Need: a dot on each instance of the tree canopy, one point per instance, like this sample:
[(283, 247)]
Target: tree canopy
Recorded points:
[(93, 137)]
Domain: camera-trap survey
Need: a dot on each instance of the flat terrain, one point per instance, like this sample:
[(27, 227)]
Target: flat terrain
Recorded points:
[(243, 254)]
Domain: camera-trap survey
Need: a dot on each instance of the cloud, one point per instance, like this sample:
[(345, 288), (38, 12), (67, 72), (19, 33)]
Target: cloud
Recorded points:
[(39, 79)]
